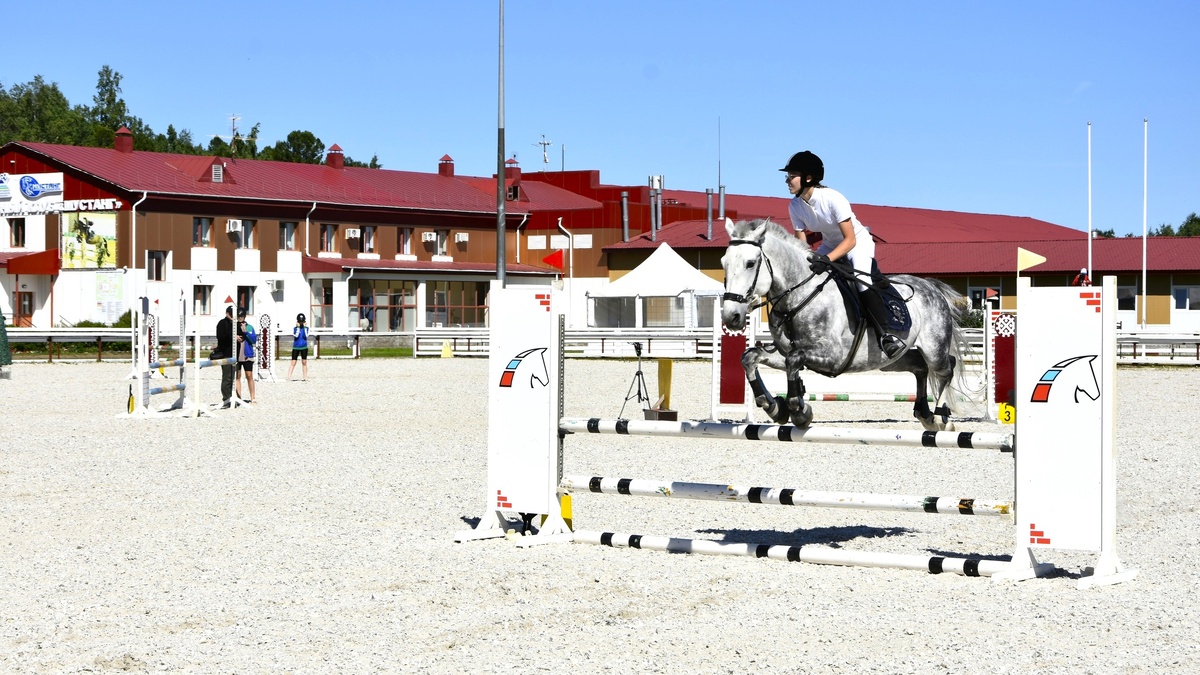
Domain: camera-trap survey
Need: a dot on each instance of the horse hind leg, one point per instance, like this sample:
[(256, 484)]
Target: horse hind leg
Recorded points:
[(937, 419)]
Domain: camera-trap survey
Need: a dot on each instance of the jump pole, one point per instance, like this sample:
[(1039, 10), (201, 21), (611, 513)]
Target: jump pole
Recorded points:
[(1065, 482)]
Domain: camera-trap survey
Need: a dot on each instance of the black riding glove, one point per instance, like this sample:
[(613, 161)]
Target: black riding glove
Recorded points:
[(819, 264)]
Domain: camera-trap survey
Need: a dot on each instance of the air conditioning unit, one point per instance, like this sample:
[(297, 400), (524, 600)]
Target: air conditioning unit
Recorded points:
[(461, 238), (232, 226), (276, 285), (353, 233), (429, 236)]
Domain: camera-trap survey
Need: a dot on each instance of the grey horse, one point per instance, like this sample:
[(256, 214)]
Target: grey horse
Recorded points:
[(811, 329)]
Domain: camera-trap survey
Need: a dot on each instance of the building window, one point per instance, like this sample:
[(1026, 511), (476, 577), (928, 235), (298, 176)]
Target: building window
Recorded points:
[(322, 307), (662, 312), (245, 299), (156, 265), (406, 240), (1127, 298), (329, 237), (287, 236), (246, 238), (615, 313), (456, 303), (202, 231), (16, 229), (1186, 297), (402, 306), (368, 239), (443, 238), (202, 300), (983, 297)]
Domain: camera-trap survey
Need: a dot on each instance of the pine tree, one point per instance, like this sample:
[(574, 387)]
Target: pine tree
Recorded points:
[(5, 352)]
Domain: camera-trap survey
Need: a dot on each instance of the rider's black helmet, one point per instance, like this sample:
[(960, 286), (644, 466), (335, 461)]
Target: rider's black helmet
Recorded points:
[(806, 164), (299, 318)]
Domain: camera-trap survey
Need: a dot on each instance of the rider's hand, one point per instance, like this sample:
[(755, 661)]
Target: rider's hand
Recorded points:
[(819, 263)]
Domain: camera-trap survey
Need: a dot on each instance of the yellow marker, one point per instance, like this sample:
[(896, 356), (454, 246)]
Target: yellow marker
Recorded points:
[(446, 351), (1007, 414), (564, 504), (664, 382)]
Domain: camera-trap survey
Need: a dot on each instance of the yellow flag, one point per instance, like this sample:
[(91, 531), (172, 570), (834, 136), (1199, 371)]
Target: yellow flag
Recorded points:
[(1027, 259)]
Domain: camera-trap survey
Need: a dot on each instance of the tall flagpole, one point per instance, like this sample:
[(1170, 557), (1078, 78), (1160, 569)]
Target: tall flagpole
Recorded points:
[(1145, 165), (1090, 235), (500, 191)]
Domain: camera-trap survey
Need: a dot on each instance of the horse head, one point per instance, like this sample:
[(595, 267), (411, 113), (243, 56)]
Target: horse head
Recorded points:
[(745, 275)]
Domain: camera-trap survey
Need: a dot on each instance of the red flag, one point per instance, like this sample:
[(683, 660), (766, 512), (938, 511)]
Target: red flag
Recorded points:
[(555, 259)]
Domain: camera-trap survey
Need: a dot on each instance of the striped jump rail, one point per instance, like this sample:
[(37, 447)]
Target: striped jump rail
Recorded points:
[(788, 433), (873, 397), (153, 365), (784, 496), (209, 363), (178, 386), (821, 555)]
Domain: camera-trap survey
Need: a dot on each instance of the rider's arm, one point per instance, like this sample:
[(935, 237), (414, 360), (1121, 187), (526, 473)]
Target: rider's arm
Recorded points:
[(848, 241)]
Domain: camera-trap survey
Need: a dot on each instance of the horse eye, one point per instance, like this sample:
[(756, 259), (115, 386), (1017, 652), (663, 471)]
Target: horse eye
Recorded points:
[(749, 264)]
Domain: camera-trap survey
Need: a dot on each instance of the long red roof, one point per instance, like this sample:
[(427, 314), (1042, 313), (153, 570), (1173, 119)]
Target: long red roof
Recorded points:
[(190, 176)]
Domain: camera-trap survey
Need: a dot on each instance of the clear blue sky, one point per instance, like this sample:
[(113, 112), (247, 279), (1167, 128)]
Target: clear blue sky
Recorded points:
[(965, 106)]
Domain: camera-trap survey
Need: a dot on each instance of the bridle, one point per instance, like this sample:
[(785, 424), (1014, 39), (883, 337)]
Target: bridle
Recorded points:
[(744, 299)]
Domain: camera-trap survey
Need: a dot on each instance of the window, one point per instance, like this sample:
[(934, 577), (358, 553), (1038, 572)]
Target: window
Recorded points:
[(245, 299), (402, 306), (287, 236), (202, 231), (1186, 297), (983, 297), (329, 237), (1127, 298), (16, 229), (322, 307), (443, 237), (406, 240), (246, 238), (456, 303), (615, 313), (156, 265), (202, 299), (368, 239)]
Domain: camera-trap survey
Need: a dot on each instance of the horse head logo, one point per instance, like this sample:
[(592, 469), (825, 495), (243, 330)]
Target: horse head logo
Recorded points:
[(1075, 376), (531, 361)]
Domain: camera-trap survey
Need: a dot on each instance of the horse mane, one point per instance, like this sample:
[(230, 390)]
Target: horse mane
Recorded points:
[(778, 231)]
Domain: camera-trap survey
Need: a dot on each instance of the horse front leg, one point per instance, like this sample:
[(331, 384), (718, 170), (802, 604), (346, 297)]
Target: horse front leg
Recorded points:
[(774, 406), (799, 410)]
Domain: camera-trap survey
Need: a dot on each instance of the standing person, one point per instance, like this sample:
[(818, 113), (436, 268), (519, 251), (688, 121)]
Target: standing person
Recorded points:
[(816, 208), (246, 339), (1081, 279), (299, 346), (224, 350)]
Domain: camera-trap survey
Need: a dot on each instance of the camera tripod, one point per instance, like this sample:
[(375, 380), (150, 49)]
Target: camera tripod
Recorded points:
[(637, 388)]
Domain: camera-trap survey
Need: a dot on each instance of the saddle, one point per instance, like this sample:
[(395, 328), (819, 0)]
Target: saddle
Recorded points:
[(843, 275)]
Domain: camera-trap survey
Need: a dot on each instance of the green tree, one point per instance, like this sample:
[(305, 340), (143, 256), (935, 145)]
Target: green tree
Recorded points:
[(1105, 234), (373, 164), (1190, 226), (40, 113), (301, 147)]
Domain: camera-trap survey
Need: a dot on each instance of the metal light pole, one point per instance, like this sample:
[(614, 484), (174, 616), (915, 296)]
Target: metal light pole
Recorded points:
[(500, 191)]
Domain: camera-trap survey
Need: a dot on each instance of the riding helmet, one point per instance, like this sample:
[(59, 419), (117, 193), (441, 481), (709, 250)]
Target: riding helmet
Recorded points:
[(806, 164), (299, 318)]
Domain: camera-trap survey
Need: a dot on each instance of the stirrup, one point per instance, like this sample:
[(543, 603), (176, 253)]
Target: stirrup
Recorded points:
[(891, 345)]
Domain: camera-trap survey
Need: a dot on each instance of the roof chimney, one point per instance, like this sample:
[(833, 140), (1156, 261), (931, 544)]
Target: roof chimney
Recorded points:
[(123, 140), (446, 166), (512, 171), (335, 159)]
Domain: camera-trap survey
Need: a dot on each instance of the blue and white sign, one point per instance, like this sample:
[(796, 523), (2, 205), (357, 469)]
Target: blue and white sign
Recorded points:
[(33, 189), (5, 193)]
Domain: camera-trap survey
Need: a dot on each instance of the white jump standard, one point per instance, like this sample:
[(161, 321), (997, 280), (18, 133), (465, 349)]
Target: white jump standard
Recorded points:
[(1065, 489)]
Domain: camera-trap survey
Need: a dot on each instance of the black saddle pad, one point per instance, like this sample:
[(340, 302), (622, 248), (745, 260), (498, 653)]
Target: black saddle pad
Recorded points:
[(898, 317)]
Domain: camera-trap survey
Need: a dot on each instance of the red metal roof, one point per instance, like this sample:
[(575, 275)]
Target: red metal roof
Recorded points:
[(31, 262), (1111, 256), (188, 175), (312, 264)]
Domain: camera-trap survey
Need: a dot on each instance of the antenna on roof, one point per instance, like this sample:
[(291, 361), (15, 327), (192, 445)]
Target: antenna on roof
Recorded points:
[(233, 136), (545, 157)]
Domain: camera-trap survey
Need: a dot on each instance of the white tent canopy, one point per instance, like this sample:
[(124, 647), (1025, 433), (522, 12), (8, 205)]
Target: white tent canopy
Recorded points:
[(662, 292), (664, 273)]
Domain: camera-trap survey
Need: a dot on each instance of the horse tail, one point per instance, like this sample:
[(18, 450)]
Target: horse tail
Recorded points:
[(959, 345)]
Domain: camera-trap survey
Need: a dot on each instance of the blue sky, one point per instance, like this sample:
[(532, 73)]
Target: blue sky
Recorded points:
[(965, 106)]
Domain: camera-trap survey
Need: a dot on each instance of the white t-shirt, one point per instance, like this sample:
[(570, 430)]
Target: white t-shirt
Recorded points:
[(822, 213)]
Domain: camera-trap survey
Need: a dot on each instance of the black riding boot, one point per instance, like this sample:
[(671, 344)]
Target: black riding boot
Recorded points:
[(876, 311)]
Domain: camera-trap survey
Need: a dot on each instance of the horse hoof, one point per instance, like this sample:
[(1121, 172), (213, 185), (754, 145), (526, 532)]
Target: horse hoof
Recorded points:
[(803, 418)]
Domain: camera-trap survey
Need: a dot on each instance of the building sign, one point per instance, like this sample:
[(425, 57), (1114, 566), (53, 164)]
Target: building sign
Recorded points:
[(36, 194), (89, 240)]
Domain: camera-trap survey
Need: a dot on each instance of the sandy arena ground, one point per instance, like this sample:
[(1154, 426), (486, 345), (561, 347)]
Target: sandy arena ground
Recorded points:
[(314, 533)]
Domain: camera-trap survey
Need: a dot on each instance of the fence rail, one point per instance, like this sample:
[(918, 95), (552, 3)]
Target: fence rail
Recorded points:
[(1133, 346)]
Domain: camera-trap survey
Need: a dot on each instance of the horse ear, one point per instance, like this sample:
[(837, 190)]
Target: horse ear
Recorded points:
[(729, 227)]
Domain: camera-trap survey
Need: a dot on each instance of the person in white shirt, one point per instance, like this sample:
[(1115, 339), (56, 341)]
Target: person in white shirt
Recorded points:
[(818, 209)]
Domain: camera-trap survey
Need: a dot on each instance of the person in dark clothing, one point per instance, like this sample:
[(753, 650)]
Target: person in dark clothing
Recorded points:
[(225, 350)]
